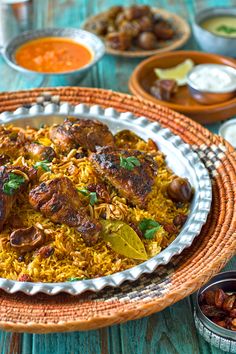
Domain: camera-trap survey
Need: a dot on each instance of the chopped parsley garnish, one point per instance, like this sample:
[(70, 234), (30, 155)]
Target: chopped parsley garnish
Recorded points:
[(43, 164), (226, 29), (92, 196), (149, 228), (75, 279), (129, 163), (13, 183)]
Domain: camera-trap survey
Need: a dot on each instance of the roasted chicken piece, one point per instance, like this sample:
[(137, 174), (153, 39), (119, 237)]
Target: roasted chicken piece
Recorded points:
[(12, 181), (11, 142), (58, 200), (131, 172), (39, 152), (81, 132)]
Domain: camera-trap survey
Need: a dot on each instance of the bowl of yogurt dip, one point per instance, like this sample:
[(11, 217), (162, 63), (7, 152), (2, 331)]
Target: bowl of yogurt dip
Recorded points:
[(212, 83)]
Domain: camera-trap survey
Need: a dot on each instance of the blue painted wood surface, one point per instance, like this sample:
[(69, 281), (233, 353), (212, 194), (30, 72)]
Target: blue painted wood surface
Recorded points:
[(171, 331)]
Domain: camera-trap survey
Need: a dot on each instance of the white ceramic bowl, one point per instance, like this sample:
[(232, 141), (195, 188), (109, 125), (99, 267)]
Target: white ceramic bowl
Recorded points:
[(215, 93)]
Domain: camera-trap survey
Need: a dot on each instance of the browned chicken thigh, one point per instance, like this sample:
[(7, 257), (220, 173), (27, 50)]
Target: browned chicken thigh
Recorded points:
[(81, 132), (59, 201), (12, 181), (131, 172)]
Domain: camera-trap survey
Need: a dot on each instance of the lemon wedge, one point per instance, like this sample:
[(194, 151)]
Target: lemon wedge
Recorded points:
[(178, 72)]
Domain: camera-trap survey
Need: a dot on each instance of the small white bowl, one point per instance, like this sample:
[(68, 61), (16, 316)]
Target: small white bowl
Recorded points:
[(213, 93), (228, 131)]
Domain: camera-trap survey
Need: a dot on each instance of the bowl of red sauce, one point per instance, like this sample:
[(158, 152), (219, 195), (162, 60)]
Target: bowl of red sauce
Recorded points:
[(62, 56)]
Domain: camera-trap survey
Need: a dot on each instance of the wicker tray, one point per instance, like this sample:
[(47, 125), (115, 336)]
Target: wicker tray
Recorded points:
[(168, 284)]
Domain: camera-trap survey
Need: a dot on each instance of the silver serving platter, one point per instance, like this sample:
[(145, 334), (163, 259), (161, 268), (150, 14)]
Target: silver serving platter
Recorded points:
[(180, 158)]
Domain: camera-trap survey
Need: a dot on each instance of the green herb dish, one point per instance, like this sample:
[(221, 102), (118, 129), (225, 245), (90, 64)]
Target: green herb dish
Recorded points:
[(215, 30)]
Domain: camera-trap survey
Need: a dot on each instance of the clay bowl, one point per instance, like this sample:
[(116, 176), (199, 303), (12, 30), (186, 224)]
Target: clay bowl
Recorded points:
[(143, 77)]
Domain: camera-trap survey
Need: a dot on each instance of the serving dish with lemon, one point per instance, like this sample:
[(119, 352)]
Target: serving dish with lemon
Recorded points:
[(176, 66)]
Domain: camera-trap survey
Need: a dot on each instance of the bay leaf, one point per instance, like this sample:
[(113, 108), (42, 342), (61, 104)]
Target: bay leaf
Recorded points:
[(123, 239)]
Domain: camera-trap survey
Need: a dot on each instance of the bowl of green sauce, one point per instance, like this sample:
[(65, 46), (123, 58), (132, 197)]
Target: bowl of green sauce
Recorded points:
[(215, 30)]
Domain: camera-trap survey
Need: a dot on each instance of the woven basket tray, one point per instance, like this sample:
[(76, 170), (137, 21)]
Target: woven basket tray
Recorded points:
[(168, 284)]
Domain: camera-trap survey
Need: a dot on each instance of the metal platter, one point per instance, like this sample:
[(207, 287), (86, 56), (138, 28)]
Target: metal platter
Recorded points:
[(179, 157)]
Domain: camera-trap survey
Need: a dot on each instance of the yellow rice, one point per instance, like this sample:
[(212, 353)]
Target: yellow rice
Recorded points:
[(71, 257)]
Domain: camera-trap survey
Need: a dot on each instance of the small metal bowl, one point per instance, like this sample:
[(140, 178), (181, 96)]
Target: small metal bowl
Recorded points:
[(220, 337), (209, 41), (212, 96), (69, 78)]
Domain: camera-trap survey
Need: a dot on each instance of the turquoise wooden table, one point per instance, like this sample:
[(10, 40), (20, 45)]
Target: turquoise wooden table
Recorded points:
[(171, 331)]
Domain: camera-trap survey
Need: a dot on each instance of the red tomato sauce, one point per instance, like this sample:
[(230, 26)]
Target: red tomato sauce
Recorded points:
[(52, 55)]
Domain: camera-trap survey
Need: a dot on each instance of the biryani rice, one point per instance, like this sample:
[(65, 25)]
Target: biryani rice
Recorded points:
[(72, 258)]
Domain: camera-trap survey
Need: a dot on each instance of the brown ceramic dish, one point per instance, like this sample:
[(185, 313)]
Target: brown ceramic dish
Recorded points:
[(143, 77), (180, 26)]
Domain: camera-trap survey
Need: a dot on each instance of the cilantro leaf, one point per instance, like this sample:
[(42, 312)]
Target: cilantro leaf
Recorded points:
[(43, 164), (84, 191), (75, 279), (129, 163), (13, 183), (150, 233), (226, 29), (93, 198), (149, 228), (92, 195)]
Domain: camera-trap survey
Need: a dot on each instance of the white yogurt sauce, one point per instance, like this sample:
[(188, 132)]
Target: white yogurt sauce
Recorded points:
[(213, 78)]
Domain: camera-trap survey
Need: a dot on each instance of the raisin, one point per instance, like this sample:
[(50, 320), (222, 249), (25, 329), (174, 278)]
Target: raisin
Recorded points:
[(180, 219), (24, 277), (45, 251)]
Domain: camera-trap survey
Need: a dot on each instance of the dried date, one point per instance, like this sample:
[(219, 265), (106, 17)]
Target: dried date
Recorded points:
[(212, 311), (233, 322), (209, 297), (233, 312), (229, 303), (220, 297), (220, 307)]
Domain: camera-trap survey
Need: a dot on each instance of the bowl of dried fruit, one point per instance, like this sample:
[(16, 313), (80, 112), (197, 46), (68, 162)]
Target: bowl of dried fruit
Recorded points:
[(215, 312)]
